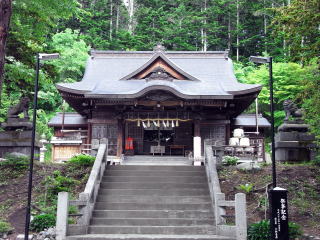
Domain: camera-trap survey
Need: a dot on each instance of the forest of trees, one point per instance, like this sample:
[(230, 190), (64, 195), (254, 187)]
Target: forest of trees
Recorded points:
[(288, 30)]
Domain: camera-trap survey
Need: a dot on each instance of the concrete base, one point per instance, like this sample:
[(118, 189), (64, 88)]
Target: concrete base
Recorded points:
[(18, 141), (293, 151), (17, 123)]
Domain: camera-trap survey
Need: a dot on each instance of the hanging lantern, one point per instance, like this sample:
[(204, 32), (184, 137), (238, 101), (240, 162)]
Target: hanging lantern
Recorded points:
[(172, 123), (177, 123), (148, 123), (168, 124), (158, 122)]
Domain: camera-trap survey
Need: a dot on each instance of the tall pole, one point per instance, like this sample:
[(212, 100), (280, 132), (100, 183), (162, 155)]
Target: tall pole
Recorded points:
[(273, 156), (35, 106)]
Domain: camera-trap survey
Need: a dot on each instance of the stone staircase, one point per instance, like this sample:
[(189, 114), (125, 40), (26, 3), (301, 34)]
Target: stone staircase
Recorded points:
[(149, 160), (152, 202)]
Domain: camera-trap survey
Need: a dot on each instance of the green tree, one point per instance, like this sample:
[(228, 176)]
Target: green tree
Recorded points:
[(298, 23), (310, 97), (288, 81), (73, 55)]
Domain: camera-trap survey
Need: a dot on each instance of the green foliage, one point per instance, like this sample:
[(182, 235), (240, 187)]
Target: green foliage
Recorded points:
[(5, 227), (58, 183), (230, 160), (261, 230), (15, 163), (81, 160), (295, 230), (31, 24), (247, 188), (288, 83), (73, 55), (43, 221), (316, 161), (310, 97), (298, 24)]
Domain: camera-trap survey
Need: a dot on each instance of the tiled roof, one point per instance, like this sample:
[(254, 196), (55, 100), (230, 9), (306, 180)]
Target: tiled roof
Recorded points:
[(106, 70)]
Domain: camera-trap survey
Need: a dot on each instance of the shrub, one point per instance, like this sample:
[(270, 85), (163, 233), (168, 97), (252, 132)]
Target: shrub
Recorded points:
[(247, 188), (17, 163), (294, 230), (5, 227), (58, 183), (230, 160), (43, 221), (316, 161), (81, 160), (261, 230)]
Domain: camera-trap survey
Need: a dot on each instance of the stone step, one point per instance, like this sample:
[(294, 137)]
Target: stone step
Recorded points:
[(158, 159), (152, 206), (158, 163), (154, 199), (179, 230), (200, 214), (157, 179), (157, 173), (152, 185), (155, 168), (151, 221), (154, 192), (146, 237)]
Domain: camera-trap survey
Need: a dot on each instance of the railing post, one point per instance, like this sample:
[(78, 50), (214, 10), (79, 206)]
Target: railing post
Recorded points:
[(84, 220), (241, 216), (219, 210), (62, 215)]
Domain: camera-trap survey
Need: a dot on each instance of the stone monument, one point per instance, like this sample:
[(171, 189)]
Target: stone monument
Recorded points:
[(17, 134), (293, 143)]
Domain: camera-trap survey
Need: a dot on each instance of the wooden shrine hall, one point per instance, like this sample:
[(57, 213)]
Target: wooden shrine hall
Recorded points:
[(158, 102)]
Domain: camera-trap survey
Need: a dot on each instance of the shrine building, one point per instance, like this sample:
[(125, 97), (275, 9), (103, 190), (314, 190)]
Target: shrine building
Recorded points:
[(157, 102)]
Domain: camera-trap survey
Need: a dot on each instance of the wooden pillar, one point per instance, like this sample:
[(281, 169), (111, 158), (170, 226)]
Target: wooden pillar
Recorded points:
[(228, 134), (197, 143), (196, 128), (120, 138)]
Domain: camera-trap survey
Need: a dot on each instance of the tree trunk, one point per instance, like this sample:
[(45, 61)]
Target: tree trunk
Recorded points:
[(238, 20), (5, 14), (131, 12), (229, 32), (118, 16), (111, 15), (203, 29), (265, 27)]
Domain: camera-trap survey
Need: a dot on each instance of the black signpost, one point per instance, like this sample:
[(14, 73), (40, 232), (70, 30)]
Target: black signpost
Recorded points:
[(279, 214)]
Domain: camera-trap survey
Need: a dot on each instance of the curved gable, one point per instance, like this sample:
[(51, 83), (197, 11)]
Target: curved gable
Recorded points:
[(159, 67)]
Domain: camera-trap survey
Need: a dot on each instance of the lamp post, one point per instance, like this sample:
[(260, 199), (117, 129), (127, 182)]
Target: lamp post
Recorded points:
[(279, 228), (269, 61), (44, 57)]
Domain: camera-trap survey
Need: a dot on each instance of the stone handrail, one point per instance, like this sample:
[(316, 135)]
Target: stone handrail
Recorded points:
[(239, 230), (86, 200)]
